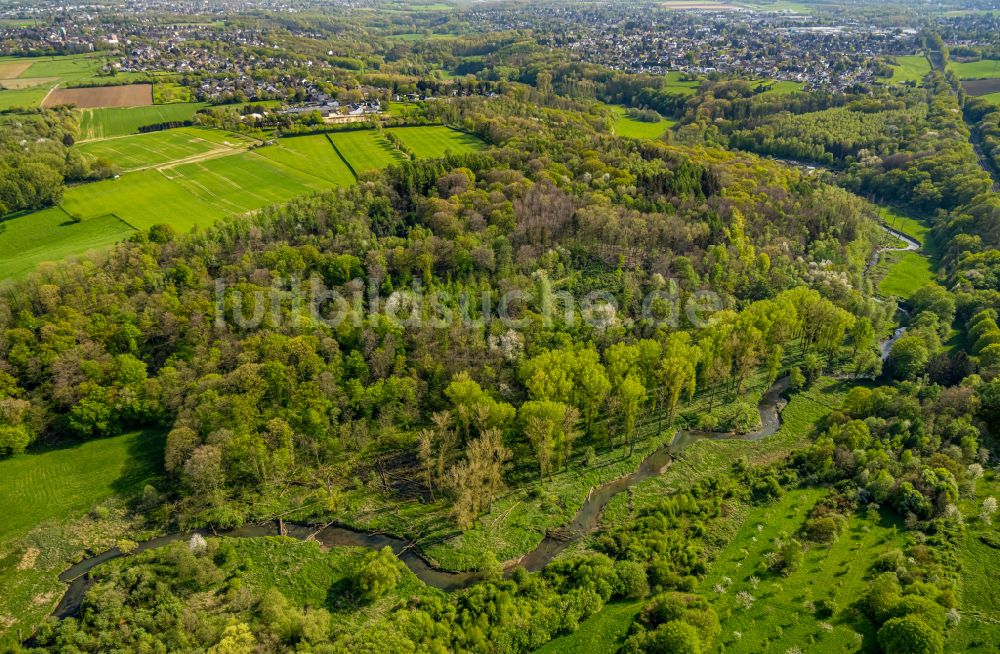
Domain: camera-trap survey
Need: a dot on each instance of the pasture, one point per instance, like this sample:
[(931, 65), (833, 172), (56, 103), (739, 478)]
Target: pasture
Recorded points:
[(51, 235), (910, 68), (638, 129), (120, 121), (314, 155), (675, 83), (157, 148), (603, 633), (366, 150), (128, 95), (905, 273), (983, 69), (993, 98), (436, 141)]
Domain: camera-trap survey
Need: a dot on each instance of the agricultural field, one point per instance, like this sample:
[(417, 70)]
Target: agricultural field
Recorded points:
[(120, 121), (46, 522), (26, 82), (158, 148), (978, 88), (435, 141), (192, 177), (51, 235), (910, 68), (906, 272), (366, 150), (314, 155), (983, 69), (192, 194), (638, 129), (92, 97)]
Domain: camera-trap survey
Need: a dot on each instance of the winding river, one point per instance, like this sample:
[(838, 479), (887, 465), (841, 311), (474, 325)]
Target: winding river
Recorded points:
[(585, 521)]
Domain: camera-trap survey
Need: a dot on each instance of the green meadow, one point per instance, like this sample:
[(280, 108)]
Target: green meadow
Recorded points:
[(604, 633), (906, 272), (314, 155), (46, 522), (120, 121), (51, 235), (366, 150), (781, 614), (993, 98), (985, 68), (157, 148), (638, 129), (910, 68), (435, 141), (192, 177)]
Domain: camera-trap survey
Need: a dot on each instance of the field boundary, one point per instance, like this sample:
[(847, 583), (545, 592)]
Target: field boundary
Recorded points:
[(341, 155)]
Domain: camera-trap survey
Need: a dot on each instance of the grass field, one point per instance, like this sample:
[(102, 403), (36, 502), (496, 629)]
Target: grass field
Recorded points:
[(157, 148), (120, 121), (65, 482), (314, 155), (56, 70), (604, 633), (993, 98), (675, 84), (910, 68), (51, 235), (916, 229), (435, 141), (186, 178), (906, 272), (45, 525), (980, 594), (781, 616), (638, 129), (366, 150), (976, 69)]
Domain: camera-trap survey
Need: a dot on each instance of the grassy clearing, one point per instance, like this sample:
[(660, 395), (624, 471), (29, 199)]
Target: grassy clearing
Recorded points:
[(120, 121), (155, 148), (980, 594), (782, 616), (45, 523), (676, 84), (983, 69), (51, 235), (915, 228), (314, 155), (603, 633), (778, 88), (434, 142), (66, 482), (993, 98), (366, 150), (905, 272), (638, 129), (910, 68)]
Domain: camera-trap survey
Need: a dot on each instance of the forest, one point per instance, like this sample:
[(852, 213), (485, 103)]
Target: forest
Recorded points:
[(451, 358)]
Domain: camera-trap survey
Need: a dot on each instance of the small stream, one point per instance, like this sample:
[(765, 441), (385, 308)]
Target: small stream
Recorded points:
[(586, 521)]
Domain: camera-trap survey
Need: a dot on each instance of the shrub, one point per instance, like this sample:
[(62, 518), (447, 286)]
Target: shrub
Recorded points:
[(909, 635)]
